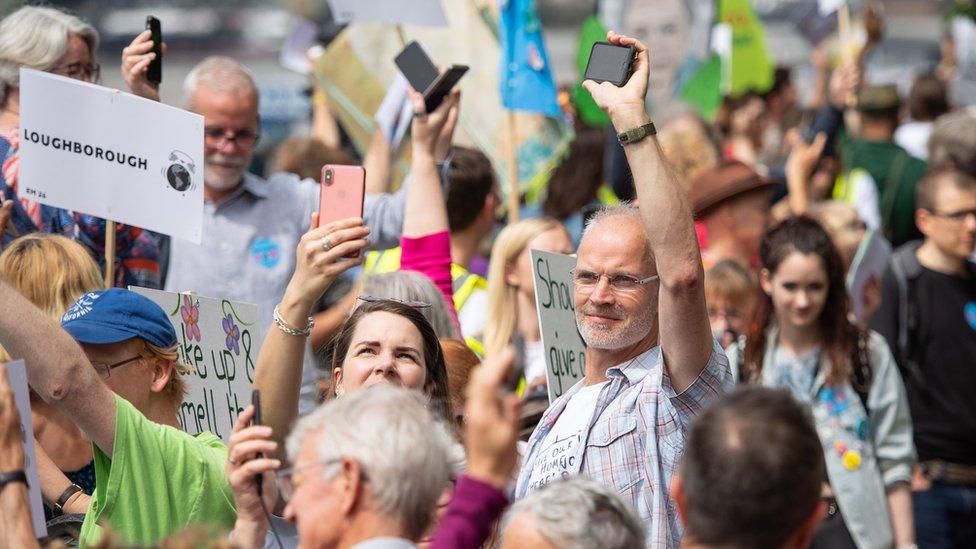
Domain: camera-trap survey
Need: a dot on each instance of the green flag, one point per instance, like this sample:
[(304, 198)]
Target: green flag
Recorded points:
[(703, 89), (752, 68), (590, 31)]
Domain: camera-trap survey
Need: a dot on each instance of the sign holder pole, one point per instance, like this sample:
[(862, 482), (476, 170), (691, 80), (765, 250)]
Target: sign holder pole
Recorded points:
[(844, 29), (401, 35), (513, 183), (109, 253)]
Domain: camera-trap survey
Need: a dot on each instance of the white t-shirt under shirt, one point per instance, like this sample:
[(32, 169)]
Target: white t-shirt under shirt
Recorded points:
[(535, 360), (559, 455)]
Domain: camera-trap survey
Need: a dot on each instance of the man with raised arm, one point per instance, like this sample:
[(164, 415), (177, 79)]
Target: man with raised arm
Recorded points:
[(651, 363)]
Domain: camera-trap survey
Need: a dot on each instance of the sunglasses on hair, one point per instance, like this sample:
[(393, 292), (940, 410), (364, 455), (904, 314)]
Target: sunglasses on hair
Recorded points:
[(409, 303)]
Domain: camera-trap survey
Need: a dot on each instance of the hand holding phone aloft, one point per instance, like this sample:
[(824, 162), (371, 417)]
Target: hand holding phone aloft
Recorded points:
[(609, 63), (425, 77), (624, 104)]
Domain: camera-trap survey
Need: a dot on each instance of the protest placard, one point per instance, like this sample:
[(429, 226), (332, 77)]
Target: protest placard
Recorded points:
[(427, 13), (102, 152), (219, 340), (561, 341), (17, 374), (870, 262)]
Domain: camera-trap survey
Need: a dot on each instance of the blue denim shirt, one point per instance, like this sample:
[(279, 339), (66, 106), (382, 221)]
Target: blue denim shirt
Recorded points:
[(867, 452)]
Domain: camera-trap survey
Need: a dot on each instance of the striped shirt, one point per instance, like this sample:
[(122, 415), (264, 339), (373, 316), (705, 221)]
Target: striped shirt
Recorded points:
[(636, 435)]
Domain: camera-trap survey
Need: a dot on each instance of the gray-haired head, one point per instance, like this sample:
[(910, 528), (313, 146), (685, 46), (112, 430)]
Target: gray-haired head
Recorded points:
[(219, 74), (578, 513), (953, 141), (36, 38), (626, 211), (397, 442), (413, 286)]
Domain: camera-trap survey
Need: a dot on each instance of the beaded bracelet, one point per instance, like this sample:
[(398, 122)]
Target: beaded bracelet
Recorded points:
[(284, 327)]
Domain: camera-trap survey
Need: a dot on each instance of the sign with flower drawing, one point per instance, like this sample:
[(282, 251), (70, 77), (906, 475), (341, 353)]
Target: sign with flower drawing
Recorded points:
[(219, 341)]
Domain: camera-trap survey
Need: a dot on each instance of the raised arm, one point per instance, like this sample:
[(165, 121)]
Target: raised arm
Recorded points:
[(321, 259), (425, 211), (135, 62), (685, 337), (57, 368)]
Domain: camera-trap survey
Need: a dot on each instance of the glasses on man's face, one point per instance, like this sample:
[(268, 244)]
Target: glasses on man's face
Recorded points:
[(285, 477), (409, 303), (730, 315), (588, 280), (216, 137), (105, 370), (955, 217), (87, 72)]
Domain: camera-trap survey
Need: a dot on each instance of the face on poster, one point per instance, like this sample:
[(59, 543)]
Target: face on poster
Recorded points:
[(98, 151)]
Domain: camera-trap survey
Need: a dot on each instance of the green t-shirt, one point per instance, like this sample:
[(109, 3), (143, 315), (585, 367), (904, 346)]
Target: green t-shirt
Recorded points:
[(158, 481)]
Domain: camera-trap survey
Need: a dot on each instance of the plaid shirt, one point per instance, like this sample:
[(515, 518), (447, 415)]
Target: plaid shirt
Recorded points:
[(636, 435)]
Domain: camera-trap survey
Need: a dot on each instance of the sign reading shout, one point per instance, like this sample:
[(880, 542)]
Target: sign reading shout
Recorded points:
[(564, 348), (219, 341)]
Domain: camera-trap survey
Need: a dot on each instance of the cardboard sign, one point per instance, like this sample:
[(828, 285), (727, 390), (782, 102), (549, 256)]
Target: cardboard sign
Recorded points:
[(17, 374), (870, 262), (102, 152), (564, 348), (426, 13), (219, 340)]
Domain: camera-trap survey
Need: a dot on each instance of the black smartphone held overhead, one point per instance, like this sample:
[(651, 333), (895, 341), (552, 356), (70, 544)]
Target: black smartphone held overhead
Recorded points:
[(155, 71), (256, 401), (609, 63), (423, 75)]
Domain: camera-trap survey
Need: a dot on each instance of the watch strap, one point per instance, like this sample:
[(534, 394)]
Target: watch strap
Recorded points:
[(634, 135), (13, 476), (63, 499)]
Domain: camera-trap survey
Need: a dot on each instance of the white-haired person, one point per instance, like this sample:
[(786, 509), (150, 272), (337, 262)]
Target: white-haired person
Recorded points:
[(51, 40)]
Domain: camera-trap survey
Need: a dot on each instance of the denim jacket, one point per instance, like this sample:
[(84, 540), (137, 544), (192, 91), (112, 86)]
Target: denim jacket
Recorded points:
[(867, 453)]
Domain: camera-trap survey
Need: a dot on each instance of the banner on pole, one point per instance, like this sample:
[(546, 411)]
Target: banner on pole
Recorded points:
[(562, 344), (219, 340), (428, 13), (110, 154)]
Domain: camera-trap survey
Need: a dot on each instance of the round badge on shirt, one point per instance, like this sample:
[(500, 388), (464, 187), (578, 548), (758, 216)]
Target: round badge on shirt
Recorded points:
[(970, 312), (265, 252)]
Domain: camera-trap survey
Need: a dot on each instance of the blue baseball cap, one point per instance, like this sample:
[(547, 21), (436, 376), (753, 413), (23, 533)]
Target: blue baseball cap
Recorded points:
[(115, 315)]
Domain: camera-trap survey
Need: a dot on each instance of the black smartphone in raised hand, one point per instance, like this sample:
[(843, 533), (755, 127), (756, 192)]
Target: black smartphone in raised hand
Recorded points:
[(609, 63), (155, 71), (423, 75), (256, 401)]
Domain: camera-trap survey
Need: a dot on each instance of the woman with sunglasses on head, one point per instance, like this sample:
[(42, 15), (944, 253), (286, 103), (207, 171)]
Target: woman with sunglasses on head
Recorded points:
[(51, 40), (801, 338)]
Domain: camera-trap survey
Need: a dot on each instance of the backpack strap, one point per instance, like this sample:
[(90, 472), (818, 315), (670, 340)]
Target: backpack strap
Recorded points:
[(862, 372), (907, 315)]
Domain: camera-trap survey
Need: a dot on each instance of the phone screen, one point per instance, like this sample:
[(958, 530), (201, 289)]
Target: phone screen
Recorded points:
[(155, 71), (609, 63), (417, 67)]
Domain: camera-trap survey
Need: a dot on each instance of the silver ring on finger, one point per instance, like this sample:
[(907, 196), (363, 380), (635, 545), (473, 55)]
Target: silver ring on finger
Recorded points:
[(233, 461), (326, 243)]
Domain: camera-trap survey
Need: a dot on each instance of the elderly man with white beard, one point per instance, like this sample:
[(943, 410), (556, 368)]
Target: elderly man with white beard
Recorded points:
[(651, 365)]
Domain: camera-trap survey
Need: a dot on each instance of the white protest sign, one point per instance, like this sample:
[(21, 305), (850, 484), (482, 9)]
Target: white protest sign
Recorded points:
[(563, 347), (425, 13), (870, 262), (102, 152), (827, 7), (219, 341), (17, 374)]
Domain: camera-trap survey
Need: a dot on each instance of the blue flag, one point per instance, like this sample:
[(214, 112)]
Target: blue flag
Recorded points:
[(526, 79)]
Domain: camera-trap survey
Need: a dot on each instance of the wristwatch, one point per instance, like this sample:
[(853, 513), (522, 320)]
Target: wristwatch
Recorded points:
[(65, 496), (634, 135), (13, 476)]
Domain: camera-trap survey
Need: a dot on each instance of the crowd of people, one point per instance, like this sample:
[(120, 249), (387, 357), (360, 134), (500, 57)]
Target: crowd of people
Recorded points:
[(732, 396)]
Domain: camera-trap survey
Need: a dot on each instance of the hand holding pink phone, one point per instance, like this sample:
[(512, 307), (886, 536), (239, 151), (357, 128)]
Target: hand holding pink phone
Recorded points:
[(343, 192)]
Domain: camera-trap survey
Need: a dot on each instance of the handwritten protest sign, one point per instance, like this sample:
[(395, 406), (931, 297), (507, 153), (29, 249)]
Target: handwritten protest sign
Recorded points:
[(564, 348), (428, 13), (17, 374), (219, 341), (110, 154)]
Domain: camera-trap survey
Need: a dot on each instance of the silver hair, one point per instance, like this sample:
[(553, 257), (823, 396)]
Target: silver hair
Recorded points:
[(578, 513), (36, 38), (953, 140), (395, 439), (219, 74), (618, 210), (414, 286)]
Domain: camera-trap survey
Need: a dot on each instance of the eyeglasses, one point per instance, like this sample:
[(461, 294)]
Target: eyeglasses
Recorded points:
[(217, 137), (286, 484), (409, 303), (588, 280), (730, 315), (955, 217), (87, 72), (105, 370)]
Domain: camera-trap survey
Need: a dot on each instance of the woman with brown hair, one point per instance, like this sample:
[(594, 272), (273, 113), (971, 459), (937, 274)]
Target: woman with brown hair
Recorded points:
[(801, 338)]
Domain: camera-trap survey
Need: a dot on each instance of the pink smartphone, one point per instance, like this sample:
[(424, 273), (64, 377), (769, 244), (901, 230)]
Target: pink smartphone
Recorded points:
[(342, 194)]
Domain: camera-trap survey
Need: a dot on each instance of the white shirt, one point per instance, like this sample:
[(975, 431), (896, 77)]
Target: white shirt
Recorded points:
[(914, 138), (535, 360), (556, 456)]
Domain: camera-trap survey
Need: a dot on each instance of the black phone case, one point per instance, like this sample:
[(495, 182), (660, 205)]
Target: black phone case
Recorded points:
[(442, 86), (623, 73), (154, 73)]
